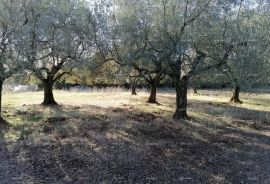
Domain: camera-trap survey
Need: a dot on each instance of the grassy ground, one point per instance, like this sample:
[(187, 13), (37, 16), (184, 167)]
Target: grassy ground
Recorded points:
[(113, 137)]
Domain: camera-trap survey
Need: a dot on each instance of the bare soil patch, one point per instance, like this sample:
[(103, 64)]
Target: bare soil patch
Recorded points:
[(91, 144)]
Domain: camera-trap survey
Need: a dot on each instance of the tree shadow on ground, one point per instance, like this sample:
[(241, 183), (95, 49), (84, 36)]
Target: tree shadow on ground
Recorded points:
[(10, 169), (91, 144)]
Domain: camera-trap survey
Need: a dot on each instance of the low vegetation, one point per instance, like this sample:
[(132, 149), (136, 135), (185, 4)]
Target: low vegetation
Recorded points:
[(100, 138)]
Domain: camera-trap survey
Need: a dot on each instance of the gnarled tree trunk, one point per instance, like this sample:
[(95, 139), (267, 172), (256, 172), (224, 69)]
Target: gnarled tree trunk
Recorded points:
[(48, 92), (181, 97), (236, 95), (133, 89), (153, 93), (195, 91)]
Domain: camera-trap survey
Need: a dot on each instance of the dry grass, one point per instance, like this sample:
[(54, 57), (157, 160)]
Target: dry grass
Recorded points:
[(113, 137)]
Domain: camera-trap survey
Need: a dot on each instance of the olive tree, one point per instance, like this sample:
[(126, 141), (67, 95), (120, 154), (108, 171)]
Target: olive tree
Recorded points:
[(171, 44), (9, 57), (52, 42), (131, 26), (243, 63)]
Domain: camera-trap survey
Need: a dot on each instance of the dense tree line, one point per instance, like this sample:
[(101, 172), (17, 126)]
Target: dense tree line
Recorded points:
[(149, 40)]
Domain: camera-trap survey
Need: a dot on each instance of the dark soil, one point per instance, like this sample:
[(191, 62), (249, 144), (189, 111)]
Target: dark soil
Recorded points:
[(126, 146)]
